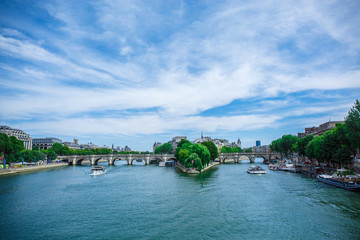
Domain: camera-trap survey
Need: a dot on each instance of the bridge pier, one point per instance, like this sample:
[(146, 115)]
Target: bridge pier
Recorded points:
[(129, 159), (147, 159), (93, 160)]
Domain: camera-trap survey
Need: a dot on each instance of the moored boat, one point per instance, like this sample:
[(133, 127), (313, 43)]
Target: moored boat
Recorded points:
[(288, 166), (348, 182), (256, 170), (272, 167), (98, 170)]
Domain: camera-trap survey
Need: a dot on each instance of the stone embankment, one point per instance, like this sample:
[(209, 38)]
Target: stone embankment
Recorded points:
[(31, 168), (194, 170)]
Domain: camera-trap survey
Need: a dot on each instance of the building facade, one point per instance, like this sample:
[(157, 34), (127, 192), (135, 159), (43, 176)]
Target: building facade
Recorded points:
[(45, 143), (19, 134), (318, 131)]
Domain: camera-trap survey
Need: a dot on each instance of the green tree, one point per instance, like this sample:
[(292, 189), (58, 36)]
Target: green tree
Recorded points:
[(58, 148), (202, 152), (302, 143), (248, 150), (212, 149), (310, 149), (182, 154), (225, 149), (50, 153), (182, 142), (5, 144), (286, 144), (352, 123), (16, 145), (165, 148), (275, 145), (194, 161)]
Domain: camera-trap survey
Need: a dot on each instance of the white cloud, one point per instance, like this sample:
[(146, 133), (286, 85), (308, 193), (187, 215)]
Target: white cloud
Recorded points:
[(231, 51)]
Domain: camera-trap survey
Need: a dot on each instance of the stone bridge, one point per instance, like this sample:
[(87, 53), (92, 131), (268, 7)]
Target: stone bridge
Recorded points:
[(149, 158), (111, 158), (237, 157)]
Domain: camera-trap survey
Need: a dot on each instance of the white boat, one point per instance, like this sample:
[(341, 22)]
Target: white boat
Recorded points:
[(97, 170), (287, 166), (256, 170), (162, 164)]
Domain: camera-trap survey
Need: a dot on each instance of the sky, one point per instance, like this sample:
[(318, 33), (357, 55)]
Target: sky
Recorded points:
[(135, 72)]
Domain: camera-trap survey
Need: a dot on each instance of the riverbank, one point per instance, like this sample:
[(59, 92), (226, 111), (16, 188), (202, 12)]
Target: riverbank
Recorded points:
[(194, 170), (32, 168)]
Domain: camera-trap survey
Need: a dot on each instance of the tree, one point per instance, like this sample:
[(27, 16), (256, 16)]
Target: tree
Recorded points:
[(225, 149), (165, 148), (286, 144), (194, 161), (187, 149), (302, 143), (248, 150), (275, 145), (352, 123), (50, 153), (58, 148), (202, 152), (310, 149), (182, 154), (182, 142), (5, 144), (212, 149), (16, 145)]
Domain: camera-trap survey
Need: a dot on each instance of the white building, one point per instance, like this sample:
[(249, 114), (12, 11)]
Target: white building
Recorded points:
[(45, 143)]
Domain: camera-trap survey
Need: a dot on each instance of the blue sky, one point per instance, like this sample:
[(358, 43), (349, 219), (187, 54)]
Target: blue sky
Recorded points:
[(135, 72)]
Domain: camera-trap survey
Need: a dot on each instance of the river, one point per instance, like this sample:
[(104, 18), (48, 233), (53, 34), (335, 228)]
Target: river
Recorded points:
[(150, 202)]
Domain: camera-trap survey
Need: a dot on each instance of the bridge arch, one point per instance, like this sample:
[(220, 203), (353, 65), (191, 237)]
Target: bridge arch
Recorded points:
[(155, 160), (96, 161), (79, 161), (138, 160), (119, 159)]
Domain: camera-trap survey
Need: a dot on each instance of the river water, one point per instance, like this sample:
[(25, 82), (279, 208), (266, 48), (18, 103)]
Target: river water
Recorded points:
[(150, 202)]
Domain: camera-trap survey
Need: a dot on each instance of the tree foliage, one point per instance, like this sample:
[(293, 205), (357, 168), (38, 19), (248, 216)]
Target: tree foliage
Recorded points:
[(212, 149), (248, 150), (5, 144), (227, 149), (182, 142), (352, 125), (300, 145), (286, 144), (165, 148), (193, 155)]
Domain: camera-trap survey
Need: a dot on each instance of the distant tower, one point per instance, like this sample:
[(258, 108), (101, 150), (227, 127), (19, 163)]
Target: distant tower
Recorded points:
[(239, 143), (112, 147), (76, 141), (202, 136), (258, 143)]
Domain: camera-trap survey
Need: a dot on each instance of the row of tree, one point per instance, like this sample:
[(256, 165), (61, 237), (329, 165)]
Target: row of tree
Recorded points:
[(226, 149), (13, 150), (337, 145)]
